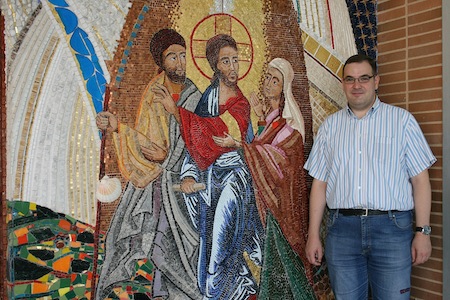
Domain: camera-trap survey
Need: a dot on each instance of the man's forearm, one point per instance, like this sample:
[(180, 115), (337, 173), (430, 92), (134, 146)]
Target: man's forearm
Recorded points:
[(422, 198), (317, 206)]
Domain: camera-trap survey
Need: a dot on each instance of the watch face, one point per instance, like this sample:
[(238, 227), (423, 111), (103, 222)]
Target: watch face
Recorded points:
[(426, 230)]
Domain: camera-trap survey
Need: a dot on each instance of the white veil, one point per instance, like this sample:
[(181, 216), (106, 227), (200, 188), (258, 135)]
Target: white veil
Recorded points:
[(291, 111)]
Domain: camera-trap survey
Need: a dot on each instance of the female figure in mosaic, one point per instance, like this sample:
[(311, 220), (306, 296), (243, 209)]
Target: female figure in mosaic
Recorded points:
[(151, 221), (275, 159)]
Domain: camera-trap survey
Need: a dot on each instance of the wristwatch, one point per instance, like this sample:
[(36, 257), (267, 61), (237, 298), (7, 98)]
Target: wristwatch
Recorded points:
[(426, 229)]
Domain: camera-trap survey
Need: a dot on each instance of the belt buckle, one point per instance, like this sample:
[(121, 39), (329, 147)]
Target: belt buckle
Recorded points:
[(366, 213)]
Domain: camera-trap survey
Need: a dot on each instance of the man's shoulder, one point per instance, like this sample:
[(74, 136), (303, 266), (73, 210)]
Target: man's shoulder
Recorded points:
[(159, 78), (391, 107), (336, 116), (189, 85), (190, 96), (148, 94), (393, 110), (330, 123)]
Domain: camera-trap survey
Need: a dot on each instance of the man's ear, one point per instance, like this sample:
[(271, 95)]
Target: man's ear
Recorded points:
[(377, 81)]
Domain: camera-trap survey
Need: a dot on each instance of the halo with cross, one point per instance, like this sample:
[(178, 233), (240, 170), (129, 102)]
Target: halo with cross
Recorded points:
[(213, 25)]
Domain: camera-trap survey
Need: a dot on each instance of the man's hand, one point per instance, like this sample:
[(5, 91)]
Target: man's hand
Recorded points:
[(106, 121), (154, 153), (314, 250), (226, 142), (187, 185), (163, 96), (317, 202), (421, 248)]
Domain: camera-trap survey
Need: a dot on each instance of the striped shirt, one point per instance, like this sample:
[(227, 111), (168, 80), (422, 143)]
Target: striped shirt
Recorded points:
[(368, 162)]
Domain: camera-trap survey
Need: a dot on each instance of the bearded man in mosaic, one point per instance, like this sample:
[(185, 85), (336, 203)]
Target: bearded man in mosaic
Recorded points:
[(225, 212), (151, 221)]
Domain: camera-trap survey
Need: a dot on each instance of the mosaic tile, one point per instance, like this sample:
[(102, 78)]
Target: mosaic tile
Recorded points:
[(22, 289), (43, 254), (26, 270), (37, 288)]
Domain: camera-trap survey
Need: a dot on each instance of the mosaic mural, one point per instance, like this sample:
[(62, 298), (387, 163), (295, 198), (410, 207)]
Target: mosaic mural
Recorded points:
[(196, 116)]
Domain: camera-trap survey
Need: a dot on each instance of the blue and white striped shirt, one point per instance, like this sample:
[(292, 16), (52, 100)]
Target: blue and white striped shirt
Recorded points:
[(368, 162)]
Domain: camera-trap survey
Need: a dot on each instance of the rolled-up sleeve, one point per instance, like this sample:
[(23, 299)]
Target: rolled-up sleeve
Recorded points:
[(418, 153)]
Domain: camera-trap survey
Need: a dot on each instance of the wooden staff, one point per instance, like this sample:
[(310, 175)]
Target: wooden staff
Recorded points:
[(99, 204)]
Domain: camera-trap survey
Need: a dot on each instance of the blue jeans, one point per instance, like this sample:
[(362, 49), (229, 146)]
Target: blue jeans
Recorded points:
[(372, 250)]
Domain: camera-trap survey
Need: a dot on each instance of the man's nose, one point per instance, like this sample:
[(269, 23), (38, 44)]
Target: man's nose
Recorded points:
[(180, 61), (356, 83)]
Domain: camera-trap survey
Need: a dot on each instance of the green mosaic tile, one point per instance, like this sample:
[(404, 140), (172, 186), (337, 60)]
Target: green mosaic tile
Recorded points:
[(79, 291), (78, 280), (21, 207), (22, 289), (70, 295), (65, 283), (56, 285), (147, 267)]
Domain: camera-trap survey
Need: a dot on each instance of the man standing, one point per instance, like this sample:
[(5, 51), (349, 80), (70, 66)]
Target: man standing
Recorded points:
[(370, 167), (150, 220), (224, 213)]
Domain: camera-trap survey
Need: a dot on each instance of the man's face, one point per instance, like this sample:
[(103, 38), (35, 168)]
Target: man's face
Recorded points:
[(174, 63), (228, 65), (360, 96)]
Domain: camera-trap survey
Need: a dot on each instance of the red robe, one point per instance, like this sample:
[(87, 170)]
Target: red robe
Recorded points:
[(280, 184), (198, 131)]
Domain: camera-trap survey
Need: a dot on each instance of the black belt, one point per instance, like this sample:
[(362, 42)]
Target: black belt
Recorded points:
[(363, 212)]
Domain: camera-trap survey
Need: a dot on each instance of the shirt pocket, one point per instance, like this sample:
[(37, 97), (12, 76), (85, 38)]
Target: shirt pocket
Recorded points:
[(382, 149)]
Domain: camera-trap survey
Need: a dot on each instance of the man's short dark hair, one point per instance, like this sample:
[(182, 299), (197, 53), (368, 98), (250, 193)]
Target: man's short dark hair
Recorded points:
[(360, 57), (162, 40)]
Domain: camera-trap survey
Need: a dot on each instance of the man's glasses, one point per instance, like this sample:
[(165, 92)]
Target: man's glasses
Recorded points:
[(362, 79)]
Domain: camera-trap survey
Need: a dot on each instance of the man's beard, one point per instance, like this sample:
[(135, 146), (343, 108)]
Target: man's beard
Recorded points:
[(175, 78), (226, 81)]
